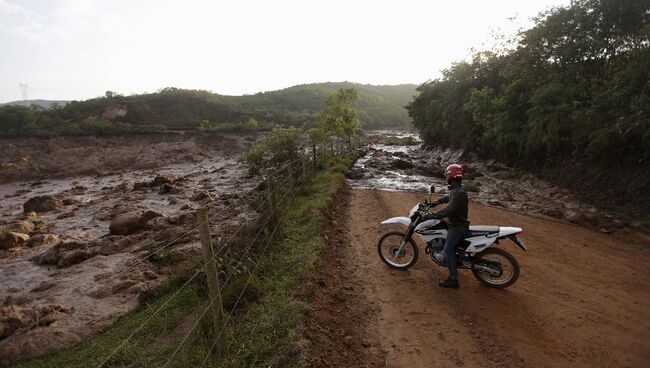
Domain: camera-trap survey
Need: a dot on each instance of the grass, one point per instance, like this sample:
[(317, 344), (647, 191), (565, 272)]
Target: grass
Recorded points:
[(267, 325)]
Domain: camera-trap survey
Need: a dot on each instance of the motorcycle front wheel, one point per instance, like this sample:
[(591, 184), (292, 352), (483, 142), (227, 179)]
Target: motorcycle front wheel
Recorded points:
[(495, 268), (389, 252)]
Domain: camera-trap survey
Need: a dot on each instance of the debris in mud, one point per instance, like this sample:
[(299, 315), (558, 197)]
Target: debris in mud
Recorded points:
[(14, 317), (10, 239), (22, 226), (42, 239), (132, 222), (66, 253), (42, 204), (201, 195), (401, 164)]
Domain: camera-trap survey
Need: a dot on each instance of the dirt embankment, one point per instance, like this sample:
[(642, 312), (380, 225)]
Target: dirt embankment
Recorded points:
[(48, 158), (581, 301)]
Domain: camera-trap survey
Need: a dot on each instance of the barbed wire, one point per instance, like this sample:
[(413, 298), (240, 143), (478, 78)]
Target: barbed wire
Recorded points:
[(186, 233), (245, 286), (205, 310), (185, 284)]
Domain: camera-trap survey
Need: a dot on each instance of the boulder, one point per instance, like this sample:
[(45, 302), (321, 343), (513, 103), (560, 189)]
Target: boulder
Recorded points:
[(66, 253), (25, 227), (132, 222), (10, 239), (401, 164), (168, 189), (42, 204), (42, 239), (162, 179), (200, 195), (355, 173)]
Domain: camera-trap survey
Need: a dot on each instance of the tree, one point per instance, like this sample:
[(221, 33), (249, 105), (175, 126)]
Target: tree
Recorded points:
[(338, 116)]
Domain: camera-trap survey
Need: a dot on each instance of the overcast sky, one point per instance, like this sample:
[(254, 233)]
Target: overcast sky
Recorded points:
[(78, 49)]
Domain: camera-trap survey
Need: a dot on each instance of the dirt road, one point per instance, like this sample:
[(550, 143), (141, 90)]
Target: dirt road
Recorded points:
[(582, 300)]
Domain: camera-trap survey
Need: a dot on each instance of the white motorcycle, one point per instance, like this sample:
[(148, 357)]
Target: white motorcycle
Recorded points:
[(493, 267)]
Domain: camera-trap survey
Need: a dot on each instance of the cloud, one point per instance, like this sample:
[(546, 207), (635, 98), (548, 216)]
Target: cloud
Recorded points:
[(20, 22)]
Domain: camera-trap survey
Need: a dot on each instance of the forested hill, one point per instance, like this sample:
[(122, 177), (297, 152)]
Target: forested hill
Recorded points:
[(571, 97), (179, 109)]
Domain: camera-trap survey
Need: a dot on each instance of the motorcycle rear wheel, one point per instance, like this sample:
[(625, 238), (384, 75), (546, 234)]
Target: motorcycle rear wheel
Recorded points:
[(389, 245), (508, 264)]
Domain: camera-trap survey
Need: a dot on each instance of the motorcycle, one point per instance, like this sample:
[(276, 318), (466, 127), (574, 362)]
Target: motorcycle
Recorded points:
[(493, 267)]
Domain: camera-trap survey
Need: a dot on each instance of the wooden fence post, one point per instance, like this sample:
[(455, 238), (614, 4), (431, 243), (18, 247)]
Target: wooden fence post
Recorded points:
[(213, 279), (271, 188)]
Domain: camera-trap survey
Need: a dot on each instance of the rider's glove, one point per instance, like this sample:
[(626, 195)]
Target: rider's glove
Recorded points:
[(429, 216)]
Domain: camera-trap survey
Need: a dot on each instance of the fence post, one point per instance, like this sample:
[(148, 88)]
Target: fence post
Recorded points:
[(290, 172), (213, 280), (271, 187)]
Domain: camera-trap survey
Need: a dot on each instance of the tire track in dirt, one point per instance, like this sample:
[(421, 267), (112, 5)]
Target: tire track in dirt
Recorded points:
[(582, 299)]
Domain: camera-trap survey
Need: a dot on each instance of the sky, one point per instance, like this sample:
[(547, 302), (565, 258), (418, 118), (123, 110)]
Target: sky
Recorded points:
[(78, 49)]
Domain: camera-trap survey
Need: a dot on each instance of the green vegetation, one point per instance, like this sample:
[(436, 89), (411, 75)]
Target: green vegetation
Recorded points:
[(575, 86), (178, 109), (278, 148), (338, 116)]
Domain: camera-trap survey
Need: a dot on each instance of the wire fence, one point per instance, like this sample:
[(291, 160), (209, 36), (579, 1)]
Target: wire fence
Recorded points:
[(271, 222)]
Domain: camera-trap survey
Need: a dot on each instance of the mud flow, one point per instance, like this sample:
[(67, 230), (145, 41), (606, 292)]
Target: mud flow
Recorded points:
[(72, 250), (396, 161)]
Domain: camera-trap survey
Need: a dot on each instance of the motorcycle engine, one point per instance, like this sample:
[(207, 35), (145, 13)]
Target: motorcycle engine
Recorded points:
[(435, 245)]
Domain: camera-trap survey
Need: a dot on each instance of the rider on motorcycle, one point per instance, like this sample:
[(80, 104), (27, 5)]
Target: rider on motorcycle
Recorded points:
[(456, 214)]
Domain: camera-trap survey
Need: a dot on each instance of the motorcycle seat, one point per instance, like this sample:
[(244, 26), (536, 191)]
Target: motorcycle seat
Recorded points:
[(479, 230)]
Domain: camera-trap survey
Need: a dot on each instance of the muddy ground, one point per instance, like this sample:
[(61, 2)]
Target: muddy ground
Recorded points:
[(582, 299), (80, 250)]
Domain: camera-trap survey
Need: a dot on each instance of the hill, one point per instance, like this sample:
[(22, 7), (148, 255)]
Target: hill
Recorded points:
[(180, 109), (45, 104)]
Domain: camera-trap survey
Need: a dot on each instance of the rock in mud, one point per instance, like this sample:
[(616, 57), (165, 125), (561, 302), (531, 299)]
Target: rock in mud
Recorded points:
[(10, 239), (355, 173), (168, 189), (69, 201), (162, 179), (132, 222), (201, 195), (42, 204), (401, 164), (24, 227), (42, 239), (65, 254), (13, 317), (126, 186)]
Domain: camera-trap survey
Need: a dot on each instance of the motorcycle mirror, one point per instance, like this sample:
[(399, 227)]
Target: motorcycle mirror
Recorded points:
[(433, 189)]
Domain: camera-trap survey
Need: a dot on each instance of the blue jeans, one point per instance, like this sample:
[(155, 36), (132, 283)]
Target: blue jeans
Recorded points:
[(454, 236)]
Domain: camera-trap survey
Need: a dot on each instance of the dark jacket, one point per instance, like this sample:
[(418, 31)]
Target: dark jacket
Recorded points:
[(457, 207)]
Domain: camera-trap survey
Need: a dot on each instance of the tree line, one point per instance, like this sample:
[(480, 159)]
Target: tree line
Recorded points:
[(574, 86)]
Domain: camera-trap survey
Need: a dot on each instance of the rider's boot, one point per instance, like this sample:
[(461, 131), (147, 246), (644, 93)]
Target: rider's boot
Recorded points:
[(449, 283)]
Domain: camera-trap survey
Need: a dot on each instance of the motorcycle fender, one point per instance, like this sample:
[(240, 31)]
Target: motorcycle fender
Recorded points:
[(397, 220)]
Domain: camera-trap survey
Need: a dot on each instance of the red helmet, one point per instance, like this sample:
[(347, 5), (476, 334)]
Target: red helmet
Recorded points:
[(453, 172)]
